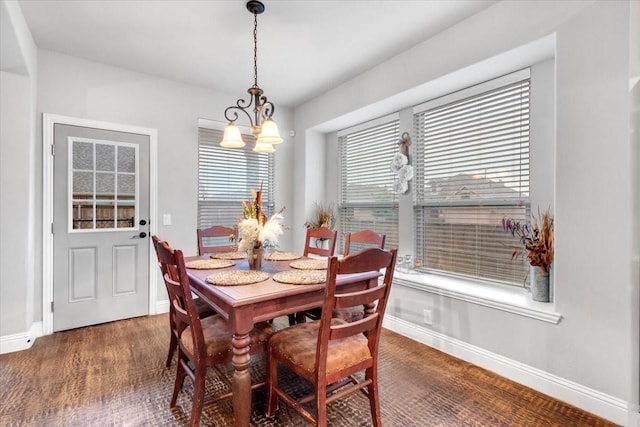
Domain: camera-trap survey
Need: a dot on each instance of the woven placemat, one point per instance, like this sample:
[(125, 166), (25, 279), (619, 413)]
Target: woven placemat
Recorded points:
[(301, 277), (209, 264), (229, 255), (282, 256), (310, 264), (237, 277)]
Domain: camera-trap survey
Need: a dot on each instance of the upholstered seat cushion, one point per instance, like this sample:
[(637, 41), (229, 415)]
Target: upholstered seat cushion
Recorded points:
[(298, 344), (350, 314), (217, 335)]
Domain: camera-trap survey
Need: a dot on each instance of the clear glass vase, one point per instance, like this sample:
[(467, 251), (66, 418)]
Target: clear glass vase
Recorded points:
[(255, 258)]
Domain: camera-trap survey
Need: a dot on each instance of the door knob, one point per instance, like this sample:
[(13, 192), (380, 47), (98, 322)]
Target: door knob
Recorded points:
[(142, 234), (143, 222)]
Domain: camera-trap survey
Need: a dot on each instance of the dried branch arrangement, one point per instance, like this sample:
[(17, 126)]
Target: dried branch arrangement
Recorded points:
[(536, 238)]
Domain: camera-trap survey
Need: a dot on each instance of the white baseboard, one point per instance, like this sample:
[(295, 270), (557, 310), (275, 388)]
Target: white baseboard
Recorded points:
[(162, 306), (20, 341), (596, 402)]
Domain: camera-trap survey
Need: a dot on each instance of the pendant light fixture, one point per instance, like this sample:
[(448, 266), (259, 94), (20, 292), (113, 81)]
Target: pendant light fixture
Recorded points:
[(258, 109)]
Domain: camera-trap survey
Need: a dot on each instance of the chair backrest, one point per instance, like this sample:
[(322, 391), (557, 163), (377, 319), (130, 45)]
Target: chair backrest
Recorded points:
[(314, 234), (374, 298), (183, 308), (361, 240), (156, 243), (215, 239)]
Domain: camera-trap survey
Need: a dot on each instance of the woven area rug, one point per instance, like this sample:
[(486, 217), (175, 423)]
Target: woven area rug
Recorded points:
[(114, 375)]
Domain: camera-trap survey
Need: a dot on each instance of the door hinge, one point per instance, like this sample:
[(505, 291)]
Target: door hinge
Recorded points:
[(51, 228), (52, 306), (53, 149)]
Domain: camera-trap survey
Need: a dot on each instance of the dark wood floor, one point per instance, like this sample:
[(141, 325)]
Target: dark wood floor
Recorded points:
[(114, 374)]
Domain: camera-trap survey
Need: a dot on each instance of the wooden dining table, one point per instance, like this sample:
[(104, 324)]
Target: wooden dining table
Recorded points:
[(245, 305)]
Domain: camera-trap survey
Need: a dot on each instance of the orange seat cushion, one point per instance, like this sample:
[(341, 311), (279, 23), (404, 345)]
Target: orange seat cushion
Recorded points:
[(298, 344), (217, 336)]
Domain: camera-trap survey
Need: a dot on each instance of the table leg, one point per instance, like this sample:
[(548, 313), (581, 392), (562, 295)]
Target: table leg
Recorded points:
[(241, 379)]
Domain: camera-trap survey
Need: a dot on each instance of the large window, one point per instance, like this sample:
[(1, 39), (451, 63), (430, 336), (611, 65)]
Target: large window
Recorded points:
[(472, 170), (366, 180), (226, 178)]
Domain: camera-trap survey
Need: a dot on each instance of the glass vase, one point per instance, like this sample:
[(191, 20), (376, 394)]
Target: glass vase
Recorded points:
[(255, 258)]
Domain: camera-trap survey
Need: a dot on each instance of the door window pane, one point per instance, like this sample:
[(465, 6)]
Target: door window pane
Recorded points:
[(126, 159), (82, 155), (105, 157), (103, 183)]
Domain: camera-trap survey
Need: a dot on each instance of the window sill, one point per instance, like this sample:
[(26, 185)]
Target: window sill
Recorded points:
[(516, 300)]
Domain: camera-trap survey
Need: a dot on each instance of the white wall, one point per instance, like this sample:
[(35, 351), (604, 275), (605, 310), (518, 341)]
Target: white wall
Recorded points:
[(19, 230), (596, 274), (74, 87)]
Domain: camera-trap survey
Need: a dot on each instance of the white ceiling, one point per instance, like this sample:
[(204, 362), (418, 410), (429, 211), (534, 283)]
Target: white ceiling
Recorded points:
[(304, 47)]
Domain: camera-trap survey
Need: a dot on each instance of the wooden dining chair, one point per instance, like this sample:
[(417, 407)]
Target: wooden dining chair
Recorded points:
[(202, 343), (322, 234), (203, 309), (313, 236), (358, 240), (329, 352), (215, 239)]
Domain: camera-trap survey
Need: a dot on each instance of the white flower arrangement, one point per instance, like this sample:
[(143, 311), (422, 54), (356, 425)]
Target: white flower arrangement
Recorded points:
[(252, 234), (398, 161), (400, 165), (255, 231)]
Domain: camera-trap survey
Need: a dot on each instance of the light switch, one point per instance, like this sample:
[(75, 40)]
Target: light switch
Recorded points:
[(166, 219)]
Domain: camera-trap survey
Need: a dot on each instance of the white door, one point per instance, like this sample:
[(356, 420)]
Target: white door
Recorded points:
[(100, 226)]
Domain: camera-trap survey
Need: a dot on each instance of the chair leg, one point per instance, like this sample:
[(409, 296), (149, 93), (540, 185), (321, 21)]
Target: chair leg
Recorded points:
[(292, 319), (198, 395), (173, 344), (300, 318), (272, 384), (374, 398), (180, 374), (321, 404)]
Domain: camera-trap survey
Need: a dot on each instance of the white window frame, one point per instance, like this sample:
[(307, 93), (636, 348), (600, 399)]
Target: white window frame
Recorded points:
[(508, 299), (94, 200), (472, 171)]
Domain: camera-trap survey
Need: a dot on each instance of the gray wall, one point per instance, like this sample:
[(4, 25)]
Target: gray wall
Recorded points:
[(590, 186), (74, 87), (19, 227)]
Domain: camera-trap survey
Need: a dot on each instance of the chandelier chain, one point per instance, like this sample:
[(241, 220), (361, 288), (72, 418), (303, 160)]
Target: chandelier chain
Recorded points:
[(255, 49)]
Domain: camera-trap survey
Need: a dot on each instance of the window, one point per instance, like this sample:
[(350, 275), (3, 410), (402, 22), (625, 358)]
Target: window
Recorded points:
[(366, 180), (103, 183), (472, 170), (226, 178)]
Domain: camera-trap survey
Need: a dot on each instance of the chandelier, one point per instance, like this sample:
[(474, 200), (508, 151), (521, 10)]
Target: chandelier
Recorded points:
[(258, 109)]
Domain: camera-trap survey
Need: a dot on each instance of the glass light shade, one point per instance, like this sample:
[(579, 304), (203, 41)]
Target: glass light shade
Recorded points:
[(263, 147), (269, 133), (232, 137)]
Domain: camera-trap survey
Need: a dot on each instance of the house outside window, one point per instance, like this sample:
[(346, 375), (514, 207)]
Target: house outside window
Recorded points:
[(227, 176), (366, 179), (472, 170)]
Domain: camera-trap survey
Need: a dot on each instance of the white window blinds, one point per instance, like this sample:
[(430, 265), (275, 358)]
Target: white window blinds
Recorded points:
[(226, 178), (366, 180), (472, 169)]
